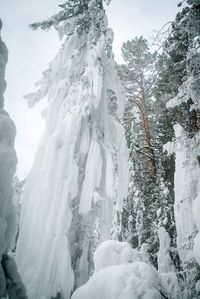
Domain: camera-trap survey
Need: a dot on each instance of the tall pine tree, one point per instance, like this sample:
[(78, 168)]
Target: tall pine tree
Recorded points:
[(72, 186)]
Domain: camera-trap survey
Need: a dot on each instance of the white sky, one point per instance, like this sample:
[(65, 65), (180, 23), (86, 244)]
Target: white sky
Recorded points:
[(31, 51)]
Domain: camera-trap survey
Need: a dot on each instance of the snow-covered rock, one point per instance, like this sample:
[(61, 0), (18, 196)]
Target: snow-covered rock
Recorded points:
[(9, 282), (15, 287)]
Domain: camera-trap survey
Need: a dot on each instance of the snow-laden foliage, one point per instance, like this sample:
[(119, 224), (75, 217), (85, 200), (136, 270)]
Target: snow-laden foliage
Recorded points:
[(149, 204), (183, 55), (112, 252), (71, 188), (120, 275)]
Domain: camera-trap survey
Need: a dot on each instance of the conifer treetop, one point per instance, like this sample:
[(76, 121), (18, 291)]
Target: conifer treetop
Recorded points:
[(80, 9)]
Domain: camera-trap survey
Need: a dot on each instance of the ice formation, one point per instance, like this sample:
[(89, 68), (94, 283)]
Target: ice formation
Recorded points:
[(187, 190), (166, 268), (165, 263), (119, 275), (10, 283), (186, 180), (71, 185)]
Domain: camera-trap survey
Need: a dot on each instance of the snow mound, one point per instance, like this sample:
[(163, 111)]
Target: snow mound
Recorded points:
[(120, 274), (112, 252), (129, 281)]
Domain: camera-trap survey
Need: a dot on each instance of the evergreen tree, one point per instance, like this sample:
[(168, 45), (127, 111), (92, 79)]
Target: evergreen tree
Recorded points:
[(179, 82), (139, 217), (138, 75), (71, 188)]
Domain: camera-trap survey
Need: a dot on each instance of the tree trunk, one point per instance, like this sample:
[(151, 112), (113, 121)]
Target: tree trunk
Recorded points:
[(148, 147)]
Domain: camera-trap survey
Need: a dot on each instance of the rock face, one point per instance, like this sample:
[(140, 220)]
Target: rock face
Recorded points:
[(8, 162)]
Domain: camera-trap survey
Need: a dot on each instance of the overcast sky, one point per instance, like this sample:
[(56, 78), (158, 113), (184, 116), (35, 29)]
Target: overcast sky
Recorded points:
[(31, 51)]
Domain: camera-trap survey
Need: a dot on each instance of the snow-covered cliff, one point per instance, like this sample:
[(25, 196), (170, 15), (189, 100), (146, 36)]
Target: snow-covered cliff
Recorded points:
[(187, 182), (187, 174), (9, 279), (72, 185)]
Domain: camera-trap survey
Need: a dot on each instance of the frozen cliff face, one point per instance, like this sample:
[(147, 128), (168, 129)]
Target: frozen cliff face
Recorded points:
[(120, 275), (9, 279), (72, 184), (187, 190), (187, 204)]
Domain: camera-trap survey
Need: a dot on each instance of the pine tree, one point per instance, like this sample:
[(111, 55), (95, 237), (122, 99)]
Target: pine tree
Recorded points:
[(71, 188), (139, 76)]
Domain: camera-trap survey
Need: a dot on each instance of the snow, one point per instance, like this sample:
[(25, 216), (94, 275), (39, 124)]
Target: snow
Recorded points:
[(123, 165), (170, 285), (164, 260), (130, 281), (166, 268), (71, 185), (8, 161), (93, 173), (120, 275), (112, 252), (187, 91), (196, 248), (196, 209), (198, 287), (187, 190), (107, 1)]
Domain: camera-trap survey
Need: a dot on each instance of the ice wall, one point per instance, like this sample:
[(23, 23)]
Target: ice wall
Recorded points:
[(71, 186), (187, 190), (9, 279)]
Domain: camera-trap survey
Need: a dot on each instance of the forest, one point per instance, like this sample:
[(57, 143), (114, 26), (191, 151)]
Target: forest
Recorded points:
[(111, 206)]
